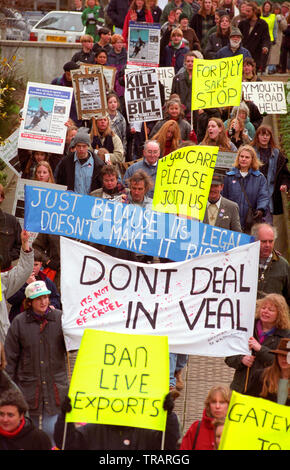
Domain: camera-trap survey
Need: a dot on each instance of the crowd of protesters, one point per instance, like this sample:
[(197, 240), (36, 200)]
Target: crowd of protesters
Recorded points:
[(117, 160)]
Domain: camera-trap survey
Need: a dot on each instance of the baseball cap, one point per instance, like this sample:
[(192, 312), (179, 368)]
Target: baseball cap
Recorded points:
[(36, 289)]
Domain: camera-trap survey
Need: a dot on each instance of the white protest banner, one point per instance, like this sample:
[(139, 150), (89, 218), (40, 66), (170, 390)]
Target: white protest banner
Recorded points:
[(269, 97), (206, 306), (142, 95), (144, 44), (165, 76), (9, 153), (45, 112)]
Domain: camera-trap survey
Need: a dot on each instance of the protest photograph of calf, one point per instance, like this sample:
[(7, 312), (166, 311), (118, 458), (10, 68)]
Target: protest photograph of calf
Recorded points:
[(145, 279)]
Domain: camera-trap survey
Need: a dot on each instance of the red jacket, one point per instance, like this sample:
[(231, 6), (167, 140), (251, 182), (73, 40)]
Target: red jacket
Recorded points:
[(205, 439), (149, 19)]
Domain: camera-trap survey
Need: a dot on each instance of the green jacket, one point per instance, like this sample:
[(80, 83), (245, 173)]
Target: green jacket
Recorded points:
[(90, 19)]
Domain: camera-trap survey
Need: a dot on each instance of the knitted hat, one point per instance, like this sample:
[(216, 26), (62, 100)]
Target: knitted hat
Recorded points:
[(82, 137)]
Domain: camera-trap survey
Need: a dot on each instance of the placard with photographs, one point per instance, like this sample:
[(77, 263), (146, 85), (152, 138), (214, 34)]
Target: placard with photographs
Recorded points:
[(90, 93)]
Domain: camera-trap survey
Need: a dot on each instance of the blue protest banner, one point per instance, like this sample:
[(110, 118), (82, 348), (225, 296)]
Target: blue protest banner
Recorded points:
[(124, 226)]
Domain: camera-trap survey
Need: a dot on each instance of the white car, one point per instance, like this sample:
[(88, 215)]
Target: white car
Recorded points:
[(59, 26)]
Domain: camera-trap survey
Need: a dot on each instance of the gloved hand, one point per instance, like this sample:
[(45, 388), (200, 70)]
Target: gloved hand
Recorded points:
[(258, 214), (66, 405), (168, 403)]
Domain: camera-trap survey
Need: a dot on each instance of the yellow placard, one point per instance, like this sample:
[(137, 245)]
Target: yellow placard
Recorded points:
[(120, 379), (255, 424), (0, 290), (217, 83), (183, 181)]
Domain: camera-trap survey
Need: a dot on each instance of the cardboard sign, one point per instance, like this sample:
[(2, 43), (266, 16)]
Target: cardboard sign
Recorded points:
[(117, 380), (90, 93), (255, 424), (183, 181), (269, 97), (142, 95), (217, 83)]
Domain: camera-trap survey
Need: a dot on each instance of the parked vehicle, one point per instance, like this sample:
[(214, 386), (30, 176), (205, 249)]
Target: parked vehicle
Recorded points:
[(58, 26)]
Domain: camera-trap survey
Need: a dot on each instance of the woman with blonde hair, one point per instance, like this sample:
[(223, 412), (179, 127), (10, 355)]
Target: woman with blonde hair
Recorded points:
[(169, 137), (200, 435), (271, 325), (107, 143), (43, 172), (247, 186), (216, 135)]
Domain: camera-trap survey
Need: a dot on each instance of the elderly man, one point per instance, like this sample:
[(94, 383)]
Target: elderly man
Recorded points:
[(151, 154), (80, 172), (234, 47), (220, 211), (274, 271)]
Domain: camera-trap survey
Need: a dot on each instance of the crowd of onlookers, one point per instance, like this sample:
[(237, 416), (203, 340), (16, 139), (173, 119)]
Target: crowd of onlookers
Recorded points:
[(108, 157)]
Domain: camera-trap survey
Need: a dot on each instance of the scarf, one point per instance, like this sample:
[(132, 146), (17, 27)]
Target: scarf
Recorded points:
[(41, 319), (14, 433), (263, 334)]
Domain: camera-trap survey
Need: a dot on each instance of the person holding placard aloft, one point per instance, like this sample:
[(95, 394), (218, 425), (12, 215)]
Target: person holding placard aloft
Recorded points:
[(139, 11)]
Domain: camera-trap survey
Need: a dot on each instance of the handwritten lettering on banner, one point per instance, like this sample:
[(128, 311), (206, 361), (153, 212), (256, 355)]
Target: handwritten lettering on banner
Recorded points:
[(205, 306), (269, 97), (217, 83), (117, 380), (124, 226), (255, 424), (183, 181)]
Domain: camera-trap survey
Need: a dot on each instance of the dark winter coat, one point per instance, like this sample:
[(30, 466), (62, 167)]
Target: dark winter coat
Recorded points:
[(280, 177), (256, 188), (214, 43), (66, 173), (10, 239), (109, 437), (263, 358), (175, 57), (36, 361), (28, 438), (255, 40)]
